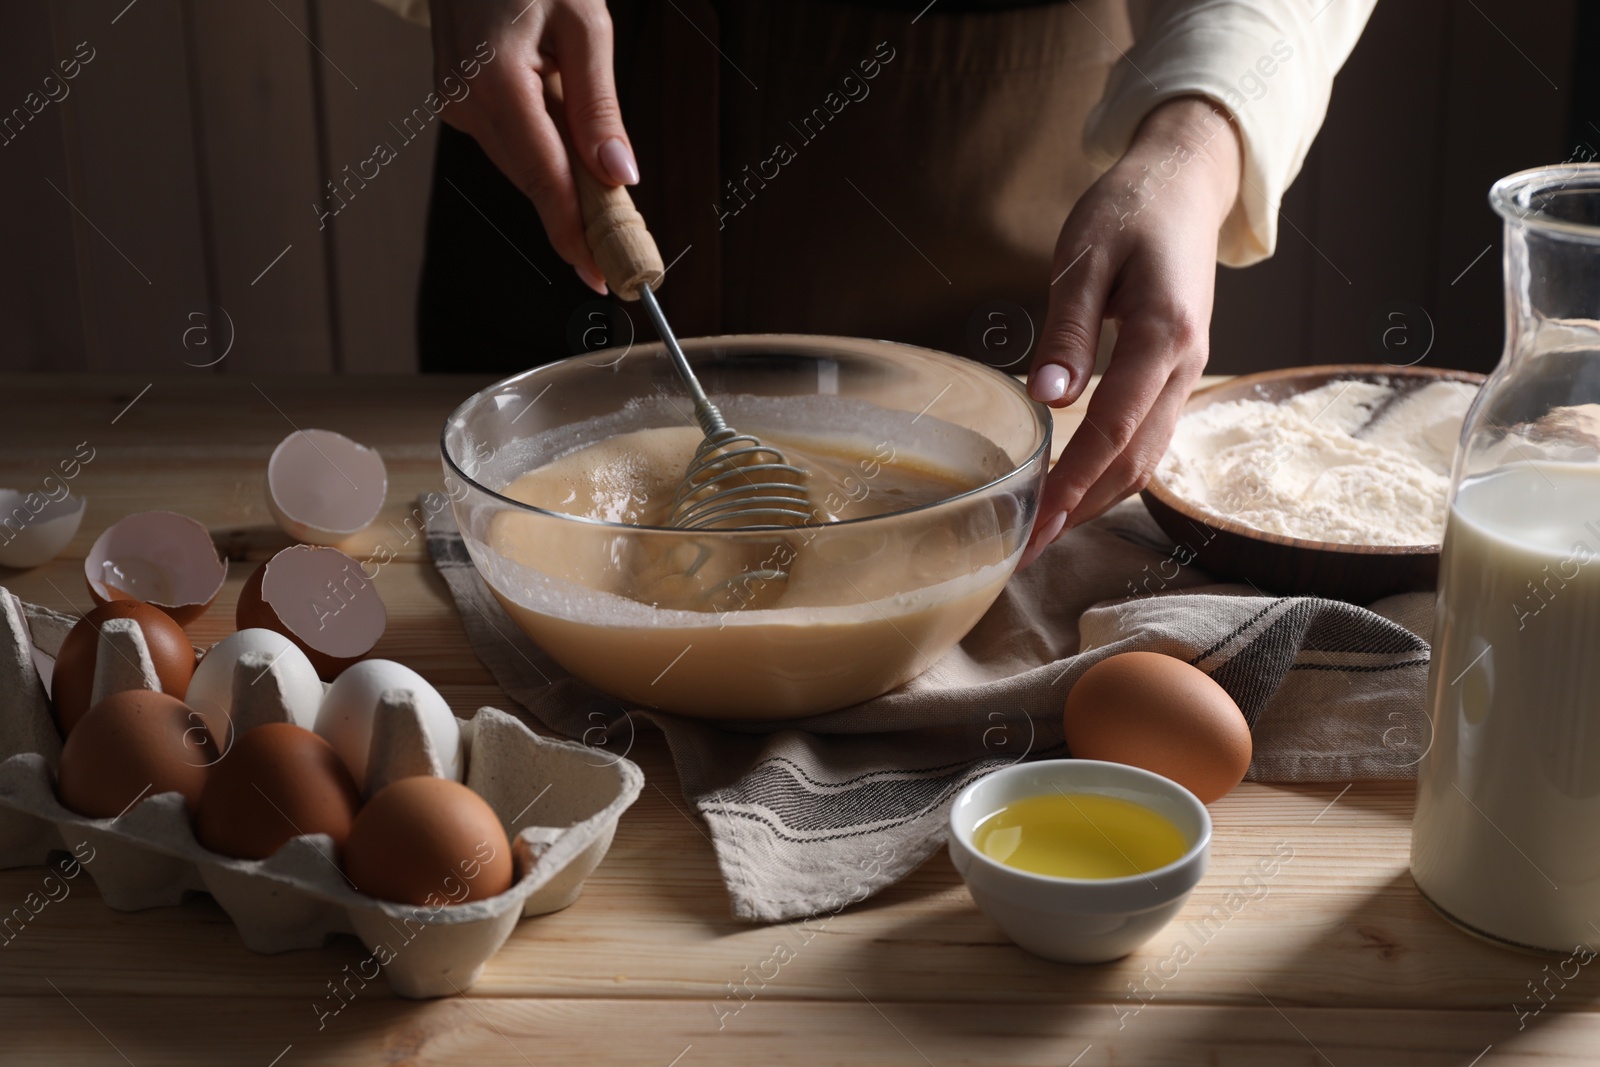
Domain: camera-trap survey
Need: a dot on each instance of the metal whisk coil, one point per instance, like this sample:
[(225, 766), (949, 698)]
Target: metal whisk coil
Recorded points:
[(734, 481), (737, 482)]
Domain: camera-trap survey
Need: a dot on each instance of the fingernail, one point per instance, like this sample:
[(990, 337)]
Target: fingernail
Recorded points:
[(593, 281), (1042, 537), (1049, 383), (617, 161)]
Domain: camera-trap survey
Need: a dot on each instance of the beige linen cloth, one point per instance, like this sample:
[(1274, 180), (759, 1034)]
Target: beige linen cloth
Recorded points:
[(811, 814)]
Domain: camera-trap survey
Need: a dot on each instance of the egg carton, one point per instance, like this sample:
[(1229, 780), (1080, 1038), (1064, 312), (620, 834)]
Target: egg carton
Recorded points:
[(559, 802)]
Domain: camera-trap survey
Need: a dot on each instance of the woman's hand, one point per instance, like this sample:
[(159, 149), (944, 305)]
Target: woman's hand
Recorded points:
[(1140, 248), (504, 107)]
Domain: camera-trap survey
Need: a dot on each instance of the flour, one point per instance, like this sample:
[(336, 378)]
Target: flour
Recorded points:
[(1319, 466)]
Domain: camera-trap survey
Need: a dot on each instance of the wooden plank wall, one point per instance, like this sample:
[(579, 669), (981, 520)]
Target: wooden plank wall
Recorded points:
[(1439, 99), (377, 240), (257, 144), (39, 277), (144, 216), (193, 148)]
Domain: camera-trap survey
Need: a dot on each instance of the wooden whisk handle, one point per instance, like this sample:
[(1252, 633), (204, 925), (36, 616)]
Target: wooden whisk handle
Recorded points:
[(616, 233)]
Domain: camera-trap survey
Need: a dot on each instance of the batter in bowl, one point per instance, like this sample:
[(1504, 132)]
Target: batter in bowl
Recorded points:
[(752, 624)]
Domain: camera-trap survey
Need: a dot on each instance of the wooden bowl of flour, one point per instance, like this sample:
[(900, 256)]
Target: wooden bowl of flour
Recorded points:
[(1277, 563)]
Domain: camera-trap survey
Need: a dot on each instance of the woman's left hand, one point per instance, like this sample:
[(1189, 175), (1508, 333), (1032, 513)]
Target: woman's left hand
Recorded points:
[(1140, 249)]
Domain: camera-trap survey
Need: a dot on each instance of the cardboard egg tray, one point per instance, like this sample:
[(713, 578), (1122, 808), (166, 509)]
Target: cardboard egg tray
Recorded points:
[(558, 800)]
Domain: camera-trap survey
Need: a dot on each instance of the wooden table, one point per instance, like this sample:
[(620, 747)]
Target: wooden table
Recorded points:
[(1333, 960)]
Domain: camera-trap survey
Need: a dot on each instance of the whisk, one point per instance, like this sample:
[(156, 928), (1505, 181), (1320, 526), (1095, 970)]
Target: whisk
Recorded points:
[(735, 480)]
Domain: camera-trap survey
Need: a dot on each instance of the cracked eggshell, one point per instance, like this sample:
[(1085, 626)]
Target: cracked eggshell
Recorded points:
[(46, 525), (211, 687), (323, 487), (162, 558), (351, 707), (319, 599)]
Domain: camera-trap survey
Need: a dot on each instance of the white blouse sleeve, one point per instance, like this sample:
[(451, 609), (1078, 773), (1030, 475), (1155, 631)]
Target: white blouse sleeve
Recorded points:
[(1269, 62)]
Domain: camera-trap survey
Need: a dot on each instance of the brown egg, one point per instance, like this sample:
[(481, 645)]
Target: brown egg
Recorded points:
[(278, 781), (1152, 711), (429, 841), (132, 745), (73, 681)]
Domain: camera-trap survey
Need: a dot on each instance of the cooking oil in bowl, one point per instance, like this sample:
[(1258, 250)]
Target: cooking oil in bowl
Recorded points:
[(1079, 835)]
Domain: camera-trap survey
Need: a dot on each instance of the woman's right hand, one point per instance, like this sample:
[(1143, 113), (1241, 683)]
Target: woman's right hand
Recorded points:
[(514, 46)]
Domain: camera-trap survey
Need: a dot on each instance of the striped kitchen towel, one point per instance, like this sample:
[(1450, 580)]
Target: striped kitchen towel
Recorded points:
[(810, 815)]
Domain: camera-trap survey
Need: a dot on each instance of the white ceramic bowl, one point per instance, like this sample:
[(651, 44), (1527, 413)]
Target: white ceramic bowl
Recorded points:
[(1079, 920)]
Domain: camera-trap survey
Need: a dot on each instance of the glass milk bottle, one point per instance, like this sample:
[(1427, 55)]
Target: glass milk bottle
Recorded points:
[(1506, 840)]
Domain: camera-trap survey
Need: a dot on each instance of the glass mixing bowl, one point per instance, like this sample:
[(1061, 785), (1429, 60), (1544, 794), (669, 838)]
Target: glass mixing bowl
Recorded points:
[(755, 624)]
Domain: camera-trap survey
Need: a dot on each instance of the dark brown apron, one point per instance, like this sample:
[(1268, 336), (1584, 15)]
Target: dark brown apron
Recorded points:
[(806, 196)]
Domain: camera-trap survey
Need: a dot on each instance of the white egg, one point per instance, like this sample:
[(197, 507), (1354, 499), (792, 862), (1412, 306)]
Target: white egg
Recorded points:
[(351, 703), (211, 688)]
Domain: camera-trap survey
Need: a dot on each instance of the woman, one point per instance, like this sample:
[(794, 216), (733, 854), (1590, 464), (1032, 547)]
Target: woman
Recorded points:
[(891, 168)]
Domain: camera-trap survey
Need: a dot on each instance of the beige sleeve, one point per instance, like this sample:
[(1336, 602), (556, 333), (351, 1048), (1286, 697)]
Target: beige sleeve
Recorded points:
[(1270, 62), (410, 10)]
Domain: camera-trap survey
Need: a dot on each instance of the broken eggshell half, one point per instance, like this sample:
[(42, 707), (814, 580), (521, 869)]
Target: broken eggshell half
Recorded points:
[(323, 487), (165, 559), (35, 528), (320, 599)]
